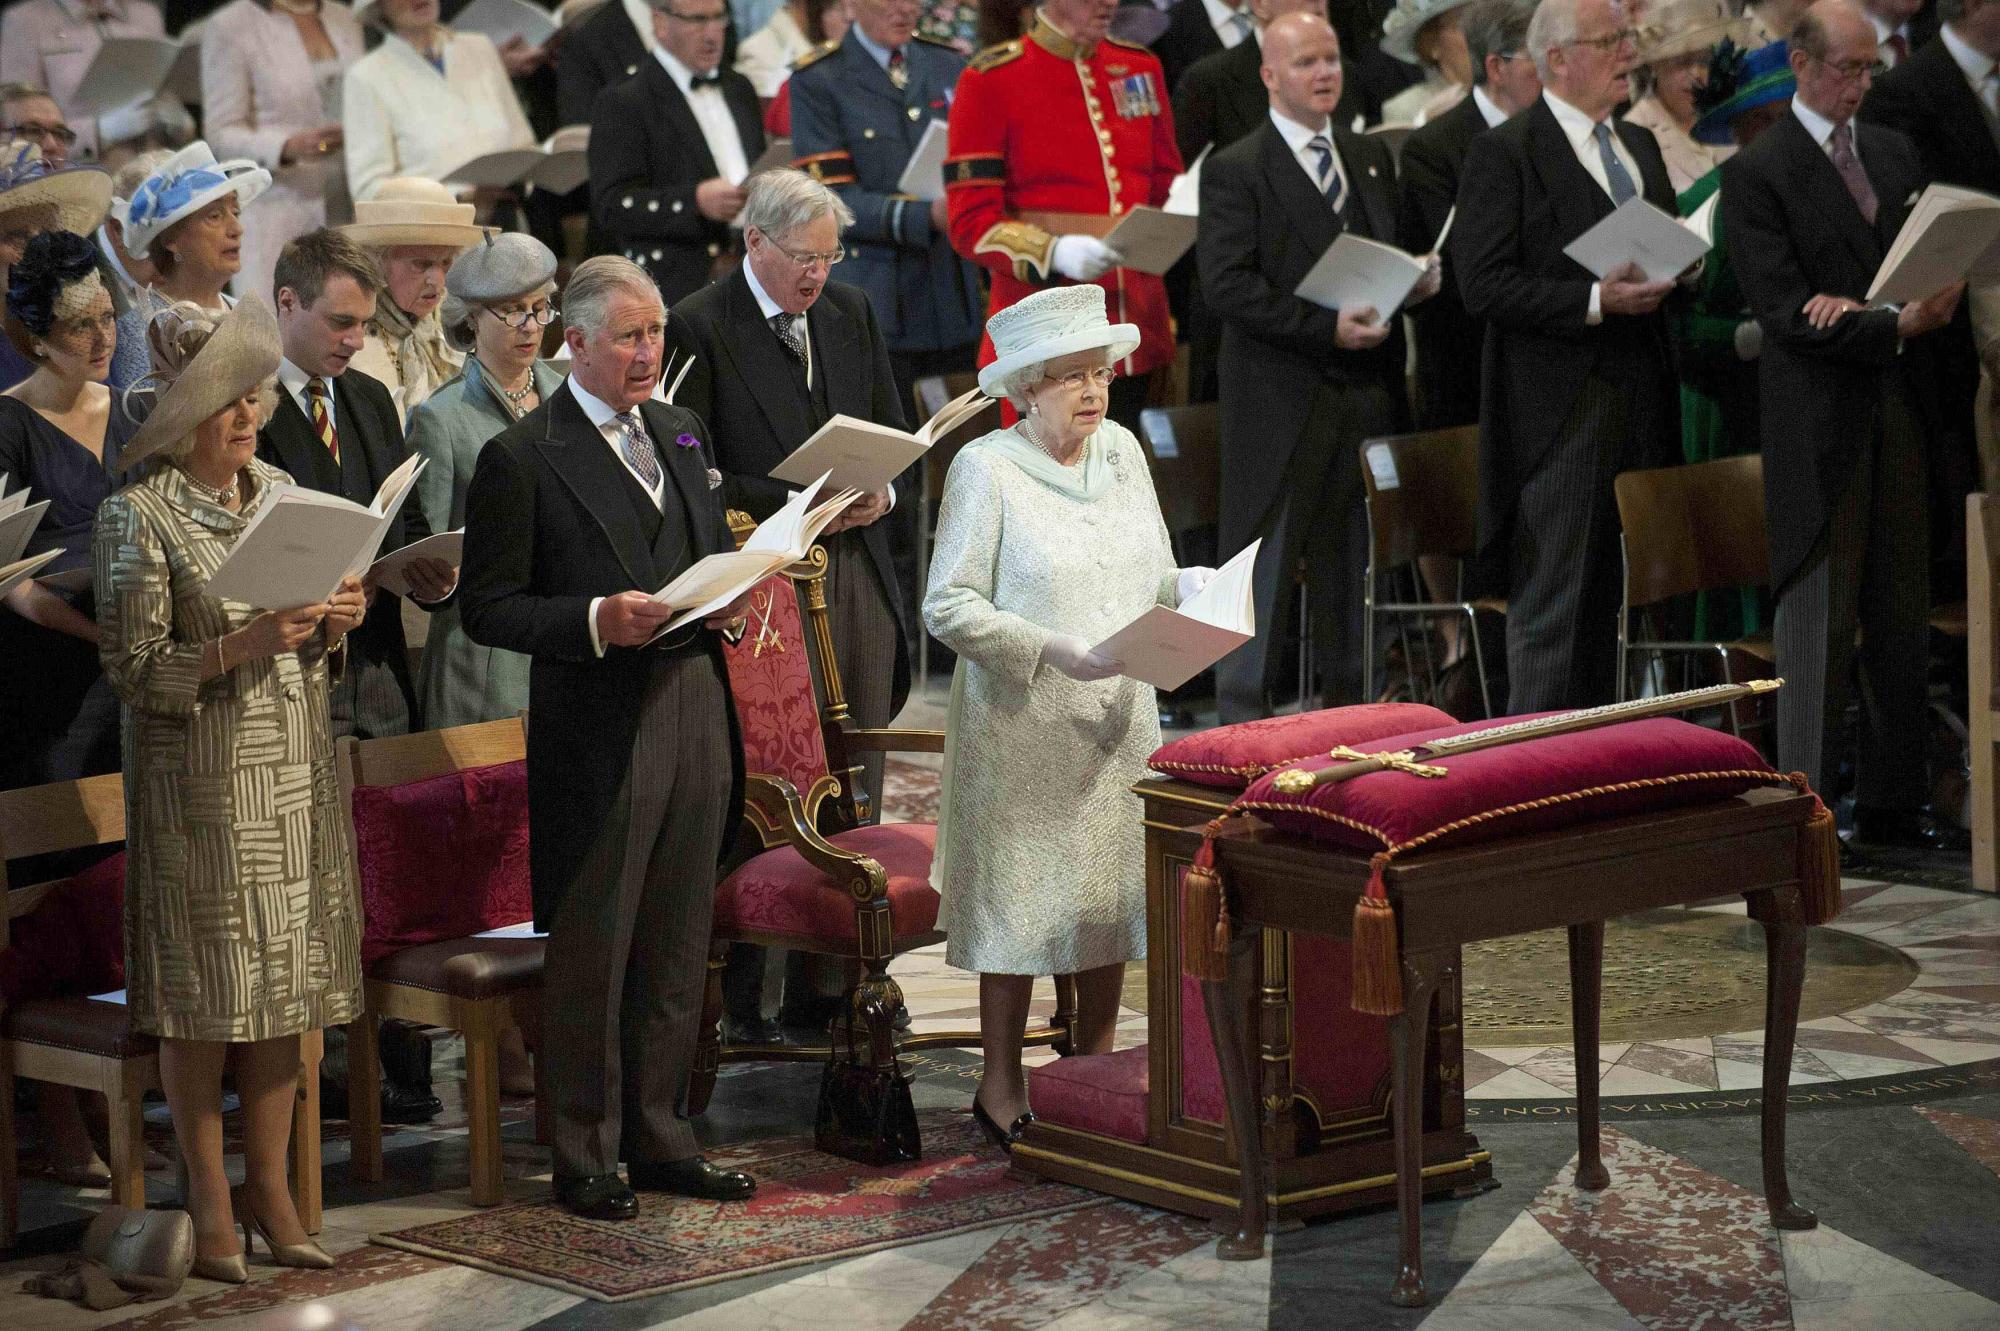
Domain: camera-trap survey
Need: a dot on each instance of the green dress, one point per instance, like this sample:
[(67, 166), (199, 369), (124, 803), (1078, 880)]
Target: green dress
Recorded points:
[(1719, 411)]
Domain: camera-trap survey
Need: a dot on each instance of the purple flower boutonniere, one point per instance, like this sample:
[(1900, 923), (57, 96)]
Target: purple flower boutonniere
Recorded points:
[(686, 440)]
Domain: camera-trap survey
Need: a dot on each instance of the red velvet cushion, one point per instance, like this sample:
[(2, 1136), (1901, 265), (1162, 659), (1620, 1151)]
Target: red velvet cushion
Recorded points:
[(779, 892), (73, 944), (442, 858), (770, 677), (1101, 1093), (1233, 756), (1657, 763)]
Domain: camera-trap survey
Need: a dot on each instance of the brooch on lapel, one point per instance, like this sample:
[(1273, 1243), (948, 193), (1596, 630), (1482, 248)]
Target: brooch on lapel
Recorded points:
[(686, 440)]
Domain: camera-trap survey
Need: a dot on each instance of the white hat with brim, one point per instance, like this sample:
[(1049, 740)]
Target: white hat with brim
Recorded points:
[(185, 184), (1677, 29), (78, 196), (410, 210), (240, 354), (1406, 20), (1047, 324)]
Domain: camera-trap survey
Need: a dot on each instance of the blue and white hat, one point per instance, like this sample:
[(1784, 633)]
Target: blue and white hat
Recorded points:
[(185, 184)]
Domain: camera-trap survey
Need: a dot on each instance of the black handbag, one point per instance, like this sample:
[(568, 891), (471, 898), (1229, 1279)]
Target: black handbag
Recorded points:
[(865, 1110)]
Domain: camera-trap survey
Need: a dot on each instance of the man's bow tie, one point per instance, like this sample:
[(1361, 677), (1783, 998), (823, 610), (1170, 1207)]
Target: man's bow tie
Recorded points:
[(705, 80)]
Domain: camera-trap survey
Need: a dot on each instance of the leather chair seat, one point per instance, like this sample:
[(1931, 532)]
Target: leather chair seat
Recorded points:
[(470, 968), (82, 1024)]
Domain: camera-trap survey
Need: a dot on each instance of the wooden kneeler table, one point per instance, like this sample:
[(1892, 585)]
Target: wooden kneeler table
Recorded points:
[(1576, 878)]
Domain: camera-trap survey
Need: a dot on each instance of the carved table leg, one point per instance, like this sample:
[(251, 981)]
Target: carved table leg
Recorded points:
[(1228, 1005), (1409, 1031), (1785, 973), (1586, 983)]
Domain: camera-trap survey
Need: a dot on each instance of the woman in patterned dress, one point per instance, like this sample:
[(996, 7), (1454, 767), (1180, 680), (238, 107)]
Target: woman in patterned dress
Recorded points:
[(242, 919)]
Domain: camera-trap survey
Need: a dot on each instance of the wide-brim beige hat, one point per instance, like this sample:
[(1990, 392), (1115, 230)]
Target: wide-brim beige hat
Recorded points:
[(1406, 20), (80, 196), (1682, 27), (241, 353), (409, 210), (1046, 324)]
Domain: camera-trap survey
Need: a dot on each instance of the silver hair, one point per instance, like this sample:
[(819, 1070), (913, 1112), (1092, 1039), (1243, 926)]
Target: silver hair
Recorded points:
[(784, 199), (1554, 24), (595, 282), (1017, 384), (1495, 27)]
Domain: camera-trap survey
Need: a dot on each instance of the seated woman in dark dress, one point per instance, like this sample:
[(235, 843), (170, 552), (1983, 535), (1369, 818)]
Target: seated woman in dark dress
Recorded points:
[(60, 431)]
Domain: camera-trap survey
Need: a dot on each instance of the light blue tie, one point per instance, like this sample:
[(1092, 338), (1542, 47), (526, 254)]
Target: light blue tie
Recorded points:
[(1241, 22), (1615, 174), (1330, 182)]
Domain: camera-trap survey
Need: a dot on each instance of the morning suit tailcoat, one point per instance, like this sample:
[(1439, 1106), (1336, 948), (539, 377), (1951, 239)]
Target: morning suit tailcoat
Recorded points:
[(1927, 99), (1524, 196), (375, 695), (1449, 341), (741, 387), (1221, 97), (853, 130), (1793, 233), (553, 521), (647, 155), (1295, 407), (1188, 36)]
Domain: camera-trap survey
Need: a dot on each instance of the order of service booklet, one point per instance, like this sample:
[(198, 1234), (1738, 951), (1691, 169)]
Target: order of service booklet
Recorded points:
[(303, 542), (1167, 648), (861, 455)]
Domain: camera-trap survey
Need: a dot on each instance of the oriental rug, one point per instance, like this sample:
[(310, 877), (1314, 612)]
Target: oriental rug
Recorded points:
[(809, 1207)]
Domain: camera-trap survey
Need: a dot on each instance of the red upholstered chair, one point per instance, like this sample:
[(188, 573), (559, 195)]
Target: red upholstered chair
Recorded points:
[(54, 1032), (820, 880), (440, 832)]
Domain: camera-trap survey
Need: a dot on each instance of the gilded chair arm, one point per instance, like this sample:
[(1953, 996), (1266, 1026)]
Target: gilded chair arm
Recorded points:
[(860, 876), (894, 741)]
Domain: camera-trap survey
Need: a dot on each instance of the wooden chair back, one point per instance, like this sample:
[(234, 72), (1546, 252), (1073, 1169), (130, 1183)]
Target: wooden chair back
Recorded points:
[(396, 760), (929, 395), (1423, 494), (1693, 528), (1184, 446), (63, 815)]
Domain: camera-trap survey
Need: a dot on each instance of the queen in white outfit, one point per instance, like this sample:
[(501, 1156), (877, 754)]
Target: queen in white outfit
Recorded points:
[(1049, 539)]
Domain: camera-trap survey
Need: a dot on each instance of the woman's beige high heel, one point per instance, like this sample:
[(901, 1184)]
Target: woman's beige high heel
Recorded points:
[(308, 1254), (231, 1270)]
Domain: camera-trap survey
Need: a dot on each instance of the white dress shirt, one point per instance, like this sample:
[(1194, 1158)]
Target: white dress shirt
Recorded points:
[(1884, 30), (1822, 129), (771, 310), (294, 380), (1224, 20), (711, 112), (1489, 110), (1581, 131), (1297, 136), (1979, 71), (605, 417)]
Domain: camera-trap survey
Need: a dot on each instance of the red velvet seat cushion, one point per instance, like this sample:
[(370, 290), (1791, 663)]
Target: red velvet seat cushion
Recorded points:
[(1101, 1093), (442, 858), (1231, 757), (779, 892), (1527, 786), (73, 943)]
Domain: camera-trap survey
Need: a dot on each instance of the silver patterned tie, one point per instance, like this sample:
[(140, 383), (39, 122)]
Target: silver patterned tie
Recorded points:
[(639, 448), (786, 326)]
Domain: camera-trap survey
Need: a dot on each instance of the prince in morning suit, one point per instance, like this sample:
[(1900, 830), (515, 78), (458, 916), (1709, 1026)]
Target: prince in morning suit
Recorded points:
[(575, 513)]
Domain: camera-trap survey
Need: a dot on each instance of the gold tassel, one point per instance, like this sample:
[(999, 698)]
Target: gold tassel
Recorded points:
[(1819, 859), (1378, 971)]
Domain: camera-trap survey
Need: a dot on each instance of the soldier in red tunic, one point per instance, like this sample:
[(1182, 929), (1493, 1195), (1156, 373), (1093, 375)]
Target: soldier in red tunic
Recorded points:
[(1053, 137)]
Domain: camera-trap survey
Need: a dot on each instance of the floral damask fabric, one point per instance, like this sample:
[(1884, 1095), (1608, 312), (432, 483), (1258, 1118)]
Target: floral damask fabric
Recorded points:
[(771, 678)]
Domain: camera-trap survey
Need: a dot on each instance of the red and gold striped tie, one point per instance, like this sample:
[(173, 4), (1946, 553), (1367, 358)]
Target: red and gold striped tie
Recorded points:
[(322, 419)]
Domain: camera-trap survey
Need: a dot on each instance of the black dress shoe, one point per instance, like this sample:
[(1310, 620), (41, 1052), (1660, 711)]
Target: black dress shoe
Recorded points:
[(596, 1196), (400, 1104), (762, 1030), (1907, 829), (692, 1177)]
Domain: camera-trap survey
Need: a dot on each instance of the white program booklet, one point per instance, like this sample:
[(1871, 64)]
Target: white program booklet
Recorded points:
[(21, 570), (861, 455), (17, 526), (1947, 234), (504, 20), (391, 571), (1356, 271), (1167, 648), (1184, 195), (1637, 232), (923, 174), (127, 70), (302, 543), (559, 164), (1151, 240), (783, 538)]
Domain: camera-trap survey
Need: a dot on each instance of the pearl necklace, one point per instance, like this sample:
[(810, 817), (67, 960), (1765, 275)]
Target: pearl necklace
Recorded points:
[(1035, 438), (514, 399), (221, 498)]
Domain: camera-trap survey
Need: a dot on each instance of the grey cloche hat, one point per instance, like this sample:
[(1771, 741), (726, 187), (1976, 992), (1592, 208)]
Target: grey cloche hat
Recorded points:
[(505, 266)]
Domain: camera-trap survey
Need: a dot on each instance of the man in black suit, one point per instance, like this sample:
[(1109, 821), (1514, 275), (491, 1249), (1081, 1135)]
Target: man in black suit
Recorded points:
[(778, 348), (1302, 385), (336, 430), (1504, 82), (575, 514), (1196, 28), (1902, 28), (1576, 380), (1808, 210), (669, 150), (606, 48)]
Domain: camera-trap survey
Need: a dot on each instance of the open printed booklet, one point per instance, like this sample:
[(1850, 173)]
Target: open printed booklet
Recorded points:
[(18, 520), (861, 455), (1356, 272), (1661, 245), (302, 543), (783, 538), (20, 570), (1167, 648), (1949, 234)]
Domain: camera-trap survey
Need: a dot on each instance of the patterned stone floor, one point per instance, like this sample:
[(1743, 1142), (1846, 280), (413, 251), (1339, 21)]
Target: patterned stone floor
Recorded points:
[(1895, 1140)]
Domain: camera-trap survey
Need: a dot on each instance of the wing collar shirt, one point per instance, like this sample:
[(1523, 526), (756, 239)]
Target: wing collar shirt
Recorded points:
[(711, 112), (605, 417), (1580, 130)]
